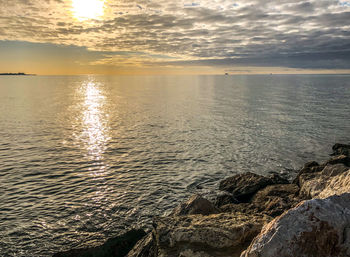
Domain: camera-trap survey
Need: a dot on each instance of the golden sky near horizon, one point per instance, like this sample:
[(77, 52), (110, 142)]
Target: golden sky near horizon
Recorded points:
[(174, 37)]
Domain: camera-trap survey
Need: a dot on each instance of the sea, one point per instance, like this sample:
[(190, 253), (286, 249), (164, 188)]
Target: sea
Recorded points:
[(86, 158)]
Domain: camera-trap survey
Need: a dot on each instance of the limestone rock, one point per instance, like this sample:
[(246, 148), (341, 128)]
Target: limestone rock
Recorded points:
[(203, 236), (309, 168), (195, 205), (331, 180), (315, 228)]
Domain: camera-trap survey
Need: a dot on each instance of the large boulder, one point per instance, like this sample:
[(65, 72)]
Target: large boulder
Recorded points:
[(333, 179), (315, 228), (195, 205), (203, 236), (242, 187), (117, 247), (341, 149)]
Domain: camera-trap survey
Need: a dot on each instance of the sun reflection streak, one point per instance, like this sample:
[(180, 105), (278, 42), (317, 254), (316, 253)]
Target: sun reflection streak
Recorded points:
[(94, 120)]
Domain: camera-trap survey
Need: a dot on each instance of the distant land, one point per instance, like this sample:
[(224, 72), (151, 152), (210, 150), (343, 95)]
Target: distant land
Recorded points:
[(16, 74)]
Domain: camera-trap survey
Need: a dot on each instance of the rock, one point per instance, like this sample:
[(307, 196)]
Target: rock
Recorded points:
[(341, 149), (244, 186), (273, 200), (116, 247), (339, 159), (331, 180), (214, 235), (224, 198), (144, 248), (195, 205), (315, 228), (337, 185), (309, 168), (277, 179)]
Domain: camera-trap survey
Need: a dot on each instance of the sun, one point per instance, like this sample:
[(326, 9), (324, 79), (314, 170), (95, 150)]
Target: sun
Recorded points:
[(88, 9)]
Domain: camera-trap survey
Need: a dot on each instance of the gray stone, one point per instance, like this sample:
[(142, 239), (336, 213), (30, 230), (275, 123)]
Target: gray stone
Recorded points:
[(315, 228)]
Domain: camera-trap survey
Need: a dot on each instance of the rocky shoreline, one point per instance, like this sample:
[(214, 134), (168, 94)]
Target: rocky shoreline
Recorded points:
[(253, 216)]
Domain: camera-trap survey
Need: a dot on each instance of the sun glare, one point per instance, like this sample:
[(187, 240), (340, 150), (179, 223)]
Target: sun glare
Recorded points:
[(88, 9)]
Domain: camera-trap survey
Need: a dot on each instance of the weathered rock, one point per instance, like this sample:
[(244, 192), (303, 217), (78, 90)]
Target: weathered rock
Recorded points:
[(214, 235), (329, 181), (272, 201), (341, 149), (116, 247), (144, 248), (275, 199), (337, 185), (315, 228), (244, 186), (309, 168), (195, 205)]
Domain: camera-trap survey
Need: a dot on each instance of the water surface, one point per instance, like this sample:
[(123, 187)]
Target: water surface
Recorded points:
[(84, 158)]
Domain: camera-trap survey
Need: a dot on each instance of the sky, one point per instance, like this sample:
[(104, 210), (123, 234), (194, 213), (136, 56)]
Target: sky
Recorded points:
[(174, 37)]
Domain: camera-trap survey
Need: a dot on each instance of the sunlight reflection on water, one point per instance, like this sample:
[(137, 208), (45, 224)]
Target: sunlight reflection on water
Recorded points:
[(94, 122)]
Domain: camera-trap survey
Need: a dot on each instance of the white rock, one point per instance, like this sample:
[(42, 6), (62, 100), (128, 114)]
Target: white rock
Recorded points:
[(315, 228), (330, 181)]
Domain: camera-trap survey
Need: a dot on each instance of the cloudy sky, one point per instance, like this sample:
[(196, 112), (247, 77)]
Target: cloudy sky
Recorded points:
[(178, 36)]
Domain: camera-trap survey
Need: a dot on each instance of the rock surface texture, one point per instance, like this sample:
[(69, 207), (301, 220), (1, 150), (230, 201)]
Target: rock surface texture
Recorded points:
[(315, 228), (243, 186), (214, 235), (333, 179)]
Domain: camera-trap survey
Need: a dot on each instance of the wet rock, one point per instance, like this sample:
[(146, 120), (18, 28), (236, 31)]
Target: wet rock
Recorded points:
[(273, 200), (116, 247), (315, 228), (195, 205), (214, 235), (331, 180), (341, 149), (144, 248), (244, 186)]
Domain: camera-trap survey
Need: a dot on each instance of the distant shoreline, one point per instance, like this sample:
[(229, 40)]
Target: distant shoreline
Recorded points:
[(16, 74)]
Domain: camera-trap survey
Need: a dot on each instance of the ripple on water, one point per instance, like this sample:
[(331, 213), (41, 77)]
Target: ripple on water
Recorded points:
[(87, 157)]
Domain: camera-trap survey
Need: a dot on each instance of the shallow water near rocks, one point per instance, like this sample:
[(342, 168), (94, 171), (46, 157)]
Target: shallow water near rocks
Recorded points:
[(84, 158)]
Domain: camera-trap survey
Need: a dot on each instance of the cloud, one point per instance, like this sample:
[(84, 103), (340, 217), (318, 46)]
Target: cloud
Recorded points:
[(298, 34)]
